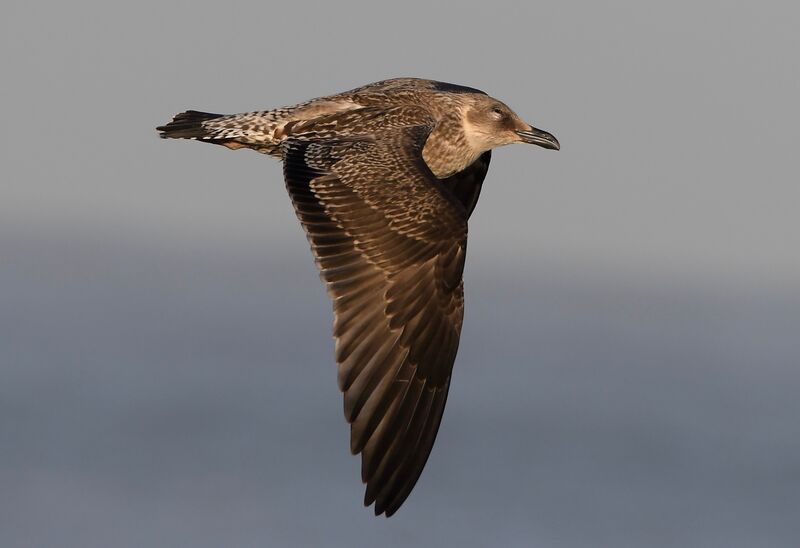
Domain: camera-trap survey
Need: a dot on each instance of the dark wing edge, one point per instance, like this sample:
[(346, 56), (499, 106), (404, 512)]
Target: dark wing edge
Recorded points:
[(466, 184), (398, 306)]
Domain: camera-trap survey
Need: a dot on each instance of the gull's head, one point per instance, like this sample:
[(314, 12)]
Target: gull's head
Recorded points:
[(489, 123)]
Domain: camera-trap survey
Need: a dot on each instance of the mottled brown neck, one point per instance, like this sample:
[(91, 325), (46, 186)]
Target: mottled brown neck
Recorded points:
[(447, 150)]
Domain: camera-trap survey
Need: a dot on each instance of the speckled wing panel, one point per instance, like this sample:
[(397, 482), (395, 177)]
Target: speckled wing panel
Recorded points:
[(390, 243)]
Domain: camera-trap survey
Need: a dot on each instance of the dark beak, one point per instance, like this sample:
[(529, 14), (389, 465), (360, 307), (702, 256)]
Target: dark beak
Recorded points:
[(535, 136)]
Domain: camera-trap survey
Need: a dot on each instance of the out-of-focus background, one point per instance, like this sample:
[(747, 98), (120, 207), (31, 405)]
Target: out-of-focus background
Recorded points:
[(629, 367)]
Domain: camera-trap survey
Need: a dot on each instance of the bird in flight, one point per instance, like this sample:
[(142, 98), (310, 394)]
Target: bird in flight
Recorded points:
[(383, 179)]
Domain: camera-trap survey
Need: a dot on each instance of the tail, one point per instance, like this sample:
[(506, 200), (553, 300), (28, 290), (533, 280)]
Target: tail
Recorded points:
[(249, 129), (190, 125)]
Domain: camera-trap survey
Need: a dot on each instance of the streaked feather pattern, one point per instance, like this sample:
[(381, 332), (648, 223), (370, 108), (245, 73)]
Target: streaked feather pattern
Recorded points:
[(383, 179)]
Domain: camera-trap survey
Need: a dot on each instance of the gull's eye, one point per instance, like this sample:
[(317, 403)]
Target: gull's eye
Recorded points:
[(497, 113)]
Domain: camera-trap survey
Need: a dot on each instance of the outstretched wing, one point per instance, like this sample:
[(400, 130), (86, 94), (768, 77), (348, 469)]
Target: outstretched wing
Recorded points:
[(390, 243)]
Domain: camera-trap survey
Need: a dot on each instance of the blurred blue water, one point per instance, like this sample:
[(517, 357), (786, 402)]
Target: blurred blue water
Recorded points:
[(155, 396)]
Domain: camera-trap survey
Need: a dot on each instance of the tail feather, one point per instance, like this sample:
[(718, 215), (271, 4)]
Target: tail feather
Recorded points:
[(189, 125), (253, 130)]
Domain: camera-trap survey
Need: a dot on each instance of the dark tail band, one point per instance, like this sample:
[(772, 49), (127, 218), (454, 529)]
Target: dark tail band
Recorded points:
[(188, 125)]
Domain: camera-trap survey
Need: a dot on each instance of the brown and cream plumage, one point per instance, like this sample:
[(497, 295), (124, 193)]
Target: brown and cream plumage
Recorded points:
[(383, 178)]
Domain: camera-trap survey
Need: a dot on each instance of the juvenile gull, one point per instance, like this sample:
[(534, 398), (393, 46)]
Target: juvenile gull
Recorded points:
[(383, 179)]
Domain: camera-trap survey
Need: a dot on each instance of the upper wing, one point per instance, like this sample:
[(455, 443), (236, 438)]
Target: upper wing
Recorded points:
[(390, 243)]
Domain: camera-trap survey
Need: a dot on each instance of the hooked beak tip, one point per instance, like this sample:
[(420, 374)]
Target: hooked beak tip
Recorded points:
[(540, 138)]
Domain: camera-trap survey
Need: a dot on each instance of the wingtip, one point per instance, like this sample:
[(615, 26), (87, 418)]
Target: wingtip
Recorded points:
[(390, 512), (382, 506)]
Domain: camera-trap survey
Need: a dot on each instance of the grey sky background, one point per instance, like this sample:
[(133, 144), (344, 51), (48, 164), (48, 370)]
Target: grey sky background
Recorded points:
[(629, 365)]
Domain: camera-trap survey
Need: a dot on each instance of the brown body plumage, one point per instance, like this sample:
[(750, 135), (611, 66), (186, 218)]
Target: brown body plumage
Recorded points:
[(383, 178)]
